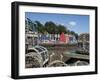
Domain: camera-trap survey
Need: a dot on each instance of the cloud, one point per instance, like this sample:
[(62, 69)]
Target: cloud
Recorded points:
[(62, 24), (72, 23)]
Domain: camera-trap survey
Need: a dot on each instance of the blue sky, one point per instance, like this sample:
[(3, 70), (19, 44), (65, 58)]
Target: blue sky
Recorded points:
[(76, 23)]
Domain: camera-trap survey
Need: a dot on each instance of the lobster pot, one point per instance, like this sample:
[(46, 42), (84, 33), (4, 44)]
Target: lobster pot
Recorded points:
[(36, 57)]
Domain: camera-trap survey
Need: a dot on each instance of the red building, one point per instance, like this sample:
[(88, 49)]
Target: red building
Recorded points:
[(63, 38)]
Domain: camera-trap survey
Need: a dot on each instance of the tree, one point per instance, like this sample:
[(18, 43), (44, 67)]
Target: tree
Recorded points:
[(50, 27), (61, 29), (75, 34), (40, 27)]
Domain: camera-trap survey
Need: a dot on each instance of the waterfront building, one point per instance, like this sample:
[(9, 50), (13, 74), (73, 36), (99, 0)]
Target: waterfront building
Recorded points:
[(62, 38), (83, 41)]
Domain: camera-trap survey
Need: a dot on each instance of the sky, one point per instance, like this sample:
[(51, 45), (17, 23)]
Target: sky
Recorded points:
[(77, 23)]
